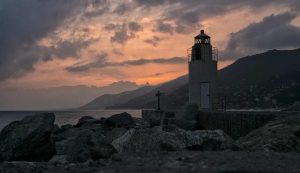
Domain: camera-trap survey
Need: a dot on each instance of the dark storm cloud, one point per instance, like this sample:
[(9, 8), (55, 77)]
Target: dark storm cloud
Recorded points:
[(101, 61), (65, 48), (23, 23), (123, 32), (273, 32), (153, 41), (189, 13)]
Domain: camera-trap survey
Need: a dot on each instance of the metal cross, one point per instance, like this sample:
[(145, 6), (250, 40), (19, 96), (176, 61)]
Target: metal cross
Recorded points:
[(158, 94)]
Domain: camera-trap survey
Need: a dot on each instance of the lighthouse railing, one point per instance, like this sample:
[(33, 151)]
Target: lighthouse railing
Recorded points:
[(189, 54), (215, 54)]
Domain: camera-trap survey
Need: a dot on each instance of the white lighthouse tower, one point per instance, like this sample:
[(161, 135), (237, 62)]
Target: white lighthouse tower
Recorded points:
[(203, 73)]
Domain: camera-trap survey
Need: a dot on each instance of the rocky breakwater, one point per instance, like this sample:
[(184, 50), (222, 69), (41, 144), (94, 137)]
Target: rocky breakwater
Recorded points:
[(121, 143), (171, 138), (36, 138)]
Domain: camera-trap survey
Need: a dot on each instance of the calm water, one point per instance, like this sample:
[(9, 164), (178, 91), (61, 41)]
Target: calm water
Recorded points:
[(63, 117)]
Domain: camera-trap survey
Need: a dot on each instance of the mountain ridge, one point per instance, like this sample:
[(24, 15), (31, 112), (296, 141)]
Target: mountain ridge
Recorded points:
[(242, 75)]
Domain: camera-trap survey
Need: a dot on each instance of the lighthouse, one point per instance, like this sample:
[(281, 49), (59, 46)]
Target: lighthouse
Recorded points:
[(203, 59)]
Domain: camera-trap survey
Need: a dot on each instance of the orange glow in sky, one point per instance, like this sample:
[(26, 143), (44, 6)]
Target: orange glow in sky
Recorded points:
[(132, 36)]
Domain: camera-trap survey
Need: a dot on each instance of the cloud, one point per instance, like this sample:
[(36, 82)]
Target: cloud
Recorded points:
[(151, 3), (123, 32), (273, 32), (96, 12), (101, 62), (163, 27), (189, 13), (23, 24), (153, 41), (134, 26), (123, 8), (67, 48), (117, 52), (161, 74)]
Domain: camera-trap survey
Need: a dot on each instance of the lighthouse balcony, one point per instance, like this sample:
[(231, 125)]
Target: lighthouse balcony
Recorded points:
[(215, 54)]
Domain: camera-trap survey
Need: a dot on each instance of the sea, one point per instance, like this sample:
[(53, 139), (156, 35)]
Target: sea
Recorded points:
[(62, 117)]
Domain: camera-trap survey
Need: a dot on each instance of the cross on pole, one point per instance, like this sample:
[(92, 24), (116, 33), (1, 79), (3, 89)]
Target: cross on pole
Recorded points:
[(158, 94)]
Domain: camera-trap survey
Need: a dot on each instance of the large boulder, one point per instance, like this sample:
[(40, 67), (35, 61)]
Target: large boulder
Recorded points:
[(85, 145), (208, 140), (281, 134), (140, 123), (171, 138), (115, 133), (28, 139), (87, 121), (120, 120), (149, 140), (84, 141), (84, 123)]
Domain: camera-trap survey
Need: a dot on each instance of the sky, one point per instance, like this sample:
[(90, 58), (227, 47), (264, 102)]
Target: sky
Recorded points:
[(50, 43)]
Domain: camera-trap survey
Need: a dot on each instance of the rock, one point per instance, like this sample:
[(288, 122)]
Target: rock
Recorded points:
[(120, 120), (157, 117), (59, 159), (87, 121), (84, 141), (208, 140), (28, 139), (55, 128), (115, 133), (149, 140), (141, 123), (280, 135), (62, 129), (89, 146), (68, 131), (84, 146), (171, 138)]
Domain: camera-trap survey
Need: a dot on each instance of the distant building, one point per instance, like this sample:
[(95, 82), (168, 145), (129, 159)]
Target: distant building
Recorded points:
[(203, 73)]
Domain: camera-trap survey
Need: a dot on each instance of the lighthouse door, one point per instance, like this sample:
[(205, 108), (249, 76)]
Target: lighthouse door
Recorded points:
[(205, 95)]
